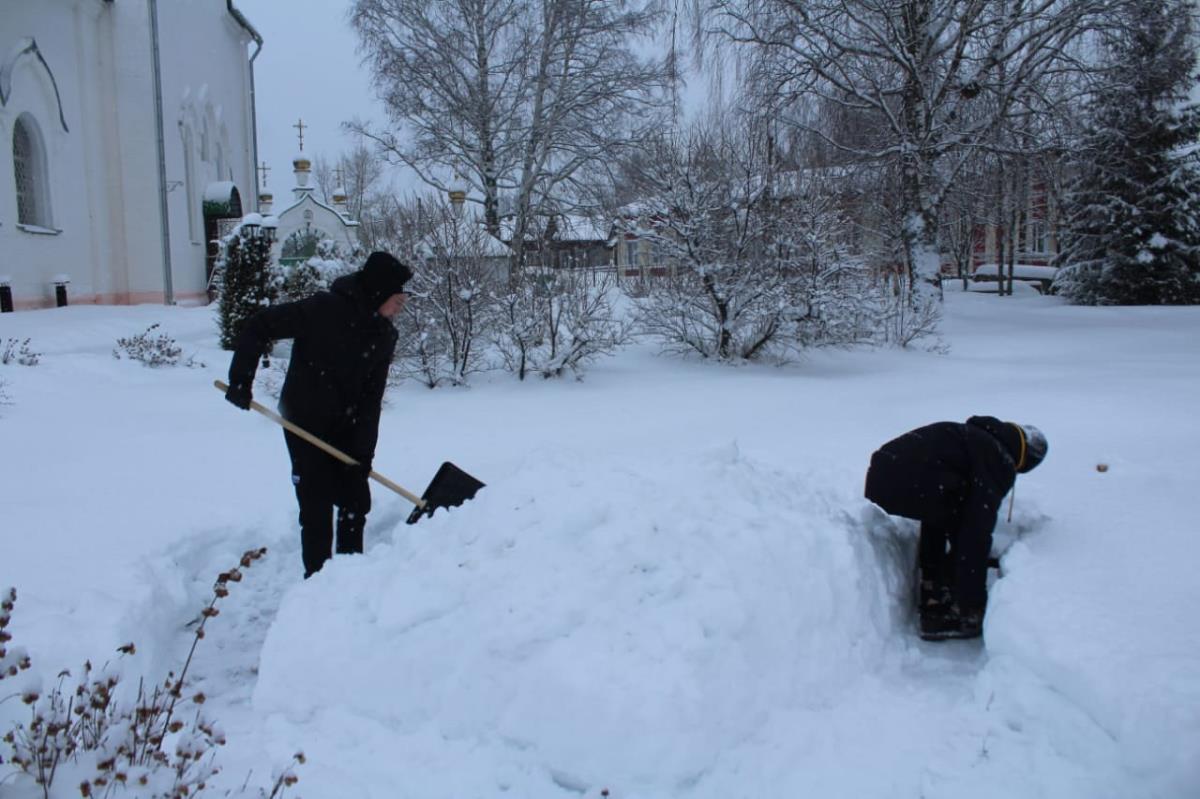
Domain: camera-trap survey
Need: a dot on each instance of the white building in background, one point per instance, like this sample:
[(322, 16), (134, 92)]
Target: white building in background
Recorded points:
[(305, 221), (126, 134)]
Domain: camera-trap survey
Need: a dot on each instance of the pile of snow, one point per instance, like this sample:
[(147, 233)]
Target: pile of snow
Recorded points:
[(553, 633)]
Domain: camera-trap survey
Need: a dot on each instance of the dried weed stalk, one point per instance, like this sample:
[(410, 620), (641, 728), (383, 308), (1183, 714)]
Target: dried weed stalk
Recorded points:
[(160, 745)]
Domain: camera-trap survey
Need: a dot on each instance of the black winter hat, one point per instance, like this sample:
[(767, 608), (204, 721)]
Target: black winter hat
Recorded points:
[(382, 276)]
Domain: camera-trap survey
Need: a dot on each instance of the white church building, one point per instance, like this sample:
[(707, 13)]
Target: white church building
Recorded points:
[(126, 134), (305, 220)]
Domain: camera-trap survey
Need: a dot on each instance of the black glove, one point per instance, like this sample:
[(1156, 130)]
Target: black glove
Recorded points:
[(356, 471), (239, 394)]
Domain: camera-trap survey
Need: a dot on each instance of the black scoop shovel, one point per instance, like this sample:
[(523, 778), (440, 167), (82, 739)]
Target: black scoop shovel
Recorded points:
[(449, 488)]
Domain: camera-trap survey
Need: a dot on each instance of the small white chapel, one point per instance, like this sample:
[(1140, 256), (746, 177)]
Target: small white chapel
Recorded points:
[(305, 220)]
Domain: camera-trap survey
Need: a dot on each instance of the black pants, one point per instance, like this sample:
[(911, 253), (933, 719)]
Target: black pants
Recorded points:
[(321, 483), (956, 558)]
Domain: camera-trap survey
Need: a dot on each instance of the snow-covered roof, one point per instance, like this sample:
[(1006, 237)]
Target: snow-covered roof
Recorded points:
[(309, 197), (568, 227), (573, 227), (481, 243), (220, 191)]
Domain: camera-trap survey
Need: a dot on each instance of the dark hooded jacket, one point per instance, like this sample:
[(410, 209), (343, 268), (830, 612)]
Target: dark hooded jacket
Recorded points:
[(340, 355), (947, 470)]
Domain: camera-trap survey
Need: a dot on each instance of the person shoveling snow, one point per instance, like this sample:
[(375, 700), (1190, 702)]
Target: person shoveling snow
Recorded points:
[(344, 342), (952, 477)]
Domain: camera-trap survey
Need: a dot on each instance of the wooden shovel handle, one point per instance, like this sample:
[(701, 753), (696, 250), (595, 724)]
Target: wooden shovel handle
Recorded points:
[(319, 444)]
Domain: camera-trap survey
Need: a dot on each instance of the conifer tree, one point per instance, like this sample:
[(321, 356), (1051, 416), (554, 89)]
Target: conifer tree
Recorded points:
[(1132, 232), (248, 283)]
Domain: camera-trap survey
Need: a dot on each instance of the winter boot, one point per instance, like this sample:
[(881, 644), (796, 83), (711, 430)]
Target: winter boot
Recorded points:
[(950, 622)]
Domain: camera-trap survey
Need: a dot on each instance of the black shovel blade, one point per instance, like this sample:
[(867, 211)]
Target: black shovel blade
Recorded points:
[(449, 488)]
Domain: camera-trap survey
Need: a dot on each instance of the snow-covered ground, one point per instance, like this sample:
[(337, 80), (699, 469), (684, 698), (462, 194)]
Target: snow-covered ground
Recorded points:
[(671, 586)]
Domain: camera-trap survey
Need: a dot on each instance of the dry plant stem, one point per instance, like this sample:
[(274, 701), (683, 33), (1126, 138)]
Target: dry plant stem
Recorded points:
[(177, 689), (129, 742), (286, 778), (219, 591)]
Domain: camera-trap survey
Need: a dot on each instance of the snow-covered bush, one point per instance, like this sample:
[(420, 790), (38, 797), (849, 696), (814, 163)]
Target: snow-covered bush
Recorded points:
[(452, 309), (87, 736), (741, 259), (897, 316), (839, 304), (152, 349), (467, 315), (315, 274), (245, 281), (18, 351), (554, 321)]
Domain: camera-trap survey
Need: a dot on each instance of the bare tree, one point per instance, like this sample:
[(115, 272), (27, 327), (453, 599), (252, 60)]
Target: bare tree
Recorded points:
[(362, 170), (324, 177), (357, 172), (518, 99), (920, 69)]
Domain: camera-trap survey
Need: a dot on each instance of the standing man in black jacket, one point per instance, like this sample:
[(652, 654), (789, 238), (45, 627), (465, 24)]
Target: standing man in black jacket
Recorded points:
[(343, 341), (952, 477)]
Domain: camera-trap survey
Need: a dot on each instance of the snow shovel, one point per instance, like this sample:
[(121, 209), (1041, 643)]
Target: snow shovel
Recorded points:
[(450, 487)]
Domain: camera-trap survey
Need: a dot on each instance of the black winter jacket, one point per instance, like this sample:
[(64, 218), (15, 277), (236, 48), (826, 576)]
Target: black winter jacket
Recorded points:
[(340, 355), (947, 470)]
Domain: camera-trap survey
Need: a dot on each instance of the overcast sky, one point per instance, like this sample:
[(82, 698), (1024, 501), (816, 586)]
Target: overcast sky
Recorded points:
[(309, 69)]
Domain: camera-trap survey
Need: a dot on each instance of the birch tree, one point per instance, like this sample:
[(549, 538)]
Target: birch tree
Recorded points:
[(918, 67), (516, 98)]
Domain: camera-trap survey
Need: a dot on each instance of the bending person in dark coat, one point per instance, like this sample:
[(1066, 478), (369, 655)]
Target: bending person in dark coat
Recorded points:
[(343, 341), (952, 477)]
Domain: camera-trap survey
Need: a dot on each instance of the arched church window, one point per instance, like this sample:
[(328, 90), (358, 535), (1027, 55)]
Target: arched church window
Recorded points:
[(29, 169)]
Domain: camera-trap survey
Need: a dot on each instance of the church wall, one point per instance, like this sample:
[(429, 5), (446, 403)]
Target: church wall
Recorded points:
[(206, 92), (132, 179), (66, 244), (103, 171)]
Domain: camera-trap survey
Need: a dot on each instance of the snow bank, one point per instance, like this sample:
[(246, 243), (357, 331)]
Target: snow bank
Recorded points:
[(592, 622)]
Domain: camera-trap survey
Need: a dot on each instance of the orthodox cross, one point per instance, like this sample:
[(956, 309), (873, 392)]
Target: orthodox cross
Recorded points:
[(263, 170), (300, 126), (341, 176)]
